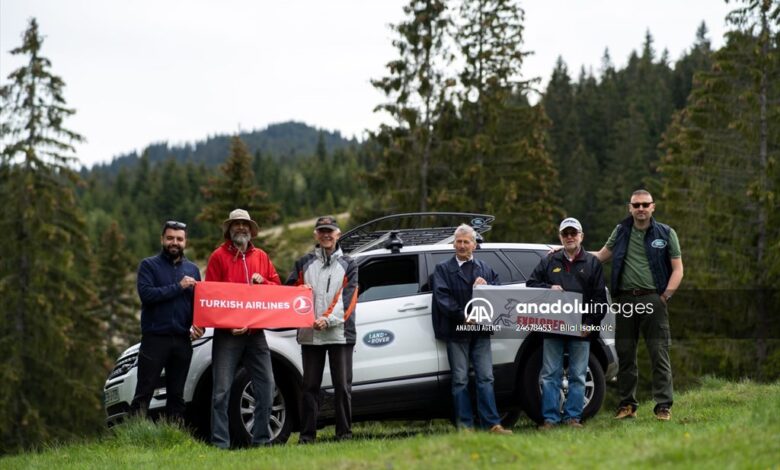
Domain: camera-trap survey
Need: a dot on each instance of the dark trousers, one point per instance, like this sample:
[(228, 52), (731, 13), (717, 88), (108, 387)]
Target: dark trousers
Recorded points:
[(340, 359), (172, 352), (654, 327), (251, 351)]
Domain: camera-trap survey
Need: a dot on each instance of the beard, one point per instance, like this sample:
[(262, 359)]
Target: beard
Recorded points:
[(174, 251), (240, 239)]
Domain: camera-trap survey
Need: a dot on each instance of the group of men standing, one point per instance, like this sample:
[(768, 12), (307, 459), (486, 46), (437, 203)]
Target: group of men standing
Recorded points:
[(166, 288), (647, 268)]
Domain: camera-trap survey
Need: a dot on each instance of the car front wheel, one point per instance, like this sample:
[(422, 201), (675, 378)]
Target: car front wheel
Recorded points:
[(595, 387), (242, 409)]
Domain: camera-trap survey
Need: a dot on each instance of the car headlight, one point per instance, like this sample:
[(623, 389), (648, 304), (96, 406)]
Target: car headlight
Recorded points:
[(123, 366)]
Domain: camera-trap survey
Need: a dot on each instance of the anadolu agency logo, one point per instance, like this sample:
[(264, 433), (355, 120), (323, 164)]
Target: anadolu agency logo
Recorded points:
[(302, 305), (478, 311)]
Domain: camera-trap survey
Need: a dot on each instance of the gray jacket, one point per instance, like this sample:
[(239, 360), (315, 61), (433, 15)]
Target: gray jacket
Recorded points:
[(334, 283)]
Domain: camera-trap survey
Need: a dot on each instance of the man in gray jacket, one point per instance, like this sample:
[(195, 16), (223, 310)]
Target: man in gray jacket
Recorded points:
[(333, 279)]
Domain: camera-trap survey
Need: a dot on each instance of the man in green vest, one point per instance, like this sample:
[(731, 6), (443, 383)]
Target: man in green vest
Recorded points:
[(647, 269)]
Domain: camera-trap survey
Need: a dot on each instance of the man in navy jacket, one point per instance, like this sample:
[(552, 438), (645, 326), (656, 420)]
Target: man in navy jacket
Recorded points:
[(453, 283), (166, 287)]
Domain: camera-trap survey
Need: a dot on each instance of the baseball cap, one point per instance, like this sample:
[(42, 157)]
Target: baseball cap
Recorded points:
[(570, 222)]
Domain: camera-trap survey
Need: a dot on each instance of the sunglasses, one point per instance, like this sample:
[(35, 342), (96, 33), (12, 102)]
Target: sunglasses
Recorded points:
[(569, 233), (644, 205), (175, 225)]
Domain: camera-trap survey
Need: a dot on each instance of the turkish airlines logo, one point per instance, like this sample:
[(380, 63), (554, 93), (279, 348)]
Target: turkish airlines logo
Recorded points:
[(302, 305)]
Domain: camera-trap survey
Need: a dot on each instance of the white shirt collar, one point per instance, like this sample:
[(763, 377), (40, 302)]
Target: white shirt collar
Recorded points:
[(460, 263)]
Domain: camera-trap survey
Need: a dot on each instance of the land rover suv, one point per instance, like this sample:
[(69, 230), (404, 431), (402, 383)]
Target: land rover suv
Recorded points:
[(400, 371)]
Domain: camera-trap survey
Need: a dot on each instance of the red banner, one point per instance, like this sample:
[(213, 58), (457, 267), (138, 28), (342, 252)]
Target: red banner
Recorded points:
[(232, 305)]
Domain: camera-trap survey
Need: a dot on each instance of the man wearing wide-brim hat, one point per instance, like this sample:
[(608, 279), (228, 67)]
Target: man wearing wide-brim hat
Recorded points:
[(238, 260)]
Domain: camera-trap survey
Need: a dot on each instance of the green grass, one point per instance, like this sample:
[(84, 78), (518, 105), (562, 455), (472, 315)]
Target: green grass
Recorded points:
[(718, 425)]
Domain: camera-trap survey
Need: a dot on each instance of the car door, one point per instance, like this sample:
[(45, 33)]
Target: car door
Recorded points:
[(395, 352)]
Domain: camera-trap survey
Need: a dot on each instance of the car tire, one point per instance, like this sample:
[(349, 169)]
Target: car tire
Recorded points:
[(242, 406), (595, 387)]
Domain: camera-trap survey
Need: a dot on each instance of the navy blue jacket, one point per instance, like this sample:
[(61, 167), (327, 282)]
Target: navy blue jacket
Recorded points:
[(656, 248), (166, 308), (451, 292)]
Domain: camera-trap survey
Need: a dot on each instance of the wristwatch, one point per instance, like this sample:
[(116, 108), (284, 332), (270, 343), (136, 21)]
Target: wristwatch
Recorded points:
[(666, 297)]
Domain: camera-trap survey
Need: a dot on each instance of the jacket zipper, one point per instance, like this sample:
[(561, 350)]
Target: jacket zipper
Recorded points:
[(246, 269)]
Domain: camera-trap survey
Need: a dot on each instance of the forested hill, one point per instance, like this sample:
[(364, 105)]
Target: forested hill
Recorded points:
[(282, 140)]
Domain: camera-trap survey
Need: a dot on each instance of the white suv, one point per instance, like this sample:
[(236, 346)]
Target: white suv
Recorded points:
[(400, 371)]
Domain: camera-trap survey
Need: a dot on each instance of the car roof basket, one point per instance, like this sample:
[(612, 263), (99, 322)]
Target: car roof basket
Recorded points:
[(415, 228)]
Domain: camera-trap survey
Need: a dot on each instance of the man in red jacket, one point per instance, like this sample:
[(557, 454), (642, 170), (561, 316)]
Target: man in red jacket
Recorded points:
[(237, 260)]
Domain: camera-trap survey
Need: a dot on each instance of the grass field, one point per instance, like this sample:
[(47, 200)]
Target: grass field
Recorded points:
[(718, 425)]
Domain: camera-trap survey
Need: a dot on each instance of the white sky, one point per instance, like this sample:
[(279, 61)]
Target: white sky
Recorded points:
[(146, 71)]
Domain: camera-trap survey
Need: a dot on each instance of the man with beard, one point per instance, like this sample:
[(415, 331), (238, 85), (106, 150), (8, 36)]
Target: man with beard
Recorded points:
[(165, 286), (237, 260)]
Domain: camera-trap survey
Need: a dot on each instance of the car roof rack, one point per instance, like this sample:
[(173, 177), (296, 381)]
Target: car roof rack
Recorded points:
[(411, 229)]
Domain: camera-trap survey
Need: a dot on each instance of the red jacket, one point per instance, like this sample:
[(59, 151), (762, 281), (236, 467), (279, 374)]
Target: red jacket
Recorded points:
[(227, 264)]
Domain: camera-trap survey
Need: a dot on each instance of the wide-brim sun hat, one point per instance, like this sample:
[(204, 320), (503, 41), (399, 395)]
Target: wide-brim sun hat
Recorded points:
[(236, 215)]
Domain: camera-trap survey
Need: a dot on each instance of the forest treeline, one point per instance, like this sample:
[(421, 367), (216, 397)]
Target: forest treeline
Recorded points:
[(465, 132)]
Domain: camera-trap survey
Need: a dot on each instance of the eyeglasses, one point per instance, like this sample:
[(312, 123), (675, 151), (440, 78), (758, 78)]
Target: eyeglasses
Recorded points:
[(175, 225), (569, 233), (644, 205)]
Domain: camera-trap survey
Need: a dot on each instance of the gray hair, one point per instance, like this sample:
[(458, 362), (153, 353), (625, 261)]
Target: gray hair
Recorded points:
[(465, 229)]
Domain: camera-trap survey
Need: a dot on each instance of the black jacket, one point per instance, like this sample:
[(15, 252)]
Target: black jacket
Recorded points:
[(585, 275), (452, 290)]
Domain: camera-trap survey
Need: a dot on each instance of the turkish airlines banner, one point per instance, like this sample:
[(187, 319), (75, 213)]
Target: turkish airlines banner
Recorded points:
[(232, 305)]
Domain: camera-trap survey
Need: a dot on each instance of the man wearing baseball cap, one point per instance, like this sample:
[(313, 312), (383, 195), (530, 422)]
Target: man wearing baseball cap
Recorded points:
[(333, 279), (237, 260), (571, 269)]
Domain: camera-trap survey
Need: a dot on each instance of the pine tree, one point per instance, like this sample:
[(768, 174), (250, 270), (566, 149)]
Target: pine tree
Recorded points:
[(234, 188), (47, 333)]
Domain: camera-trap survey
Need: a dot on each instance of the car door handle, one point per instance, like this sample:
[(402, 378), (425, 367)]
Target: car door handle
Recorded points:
[(410, 307)]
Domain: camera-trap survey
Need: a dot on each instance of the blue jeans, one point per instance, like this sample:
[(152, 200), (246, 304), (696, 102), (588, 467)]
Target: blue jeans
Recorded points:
[(252, 351), (477, 350), (552, 377)]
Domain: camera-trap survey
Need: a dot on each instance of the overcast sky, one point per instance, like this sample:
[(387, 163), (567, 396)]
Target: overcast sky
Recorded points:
[(146, 71)]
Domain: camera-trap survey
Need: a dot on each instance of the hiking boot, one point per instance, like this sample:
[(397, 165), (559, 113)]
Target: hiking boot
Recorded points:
[(663, 414), (498, 429), (627, 411), (574, 423), (546, 426)]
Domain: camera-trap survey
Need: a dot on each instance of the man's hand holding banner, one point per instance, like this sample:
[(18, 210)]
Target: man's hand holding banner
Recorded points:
[(232, 305)]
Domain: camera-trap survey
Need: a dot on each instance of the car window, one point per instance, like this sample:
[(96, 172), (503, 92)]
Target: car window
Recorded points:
[(490, 257), (385, 278), (525, 261)]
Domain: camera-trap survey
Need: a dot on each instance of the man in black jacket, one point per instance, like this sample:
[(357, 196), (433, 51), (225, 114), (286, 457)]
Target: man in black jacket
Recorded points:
[(573, 270), (166, 287), (453, 283)]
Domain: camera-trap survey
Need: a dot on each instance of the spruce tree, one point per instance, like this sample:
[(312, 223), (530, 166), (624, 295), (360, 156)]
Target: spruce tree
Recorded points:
[(721, 185), (501, 143), (48, 333), (416, 87), (234, 188)]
